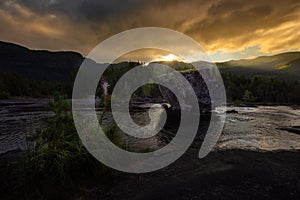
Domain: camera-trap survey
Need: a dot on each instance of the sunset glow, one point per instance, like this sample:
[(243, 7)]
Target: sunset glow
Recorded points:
[(226, 29), (169, 57)]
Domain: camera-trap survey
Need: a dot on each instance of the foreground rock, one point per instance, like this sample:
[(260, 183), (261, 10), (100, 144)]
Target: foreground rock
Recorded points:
[(198, 84), (233, 174), (232, 111), (293, 129)]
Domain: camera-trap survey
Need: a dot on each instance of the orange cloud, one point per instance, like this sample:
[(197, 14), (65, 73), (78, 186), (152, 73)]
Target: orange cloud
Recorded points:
[(218, 25)]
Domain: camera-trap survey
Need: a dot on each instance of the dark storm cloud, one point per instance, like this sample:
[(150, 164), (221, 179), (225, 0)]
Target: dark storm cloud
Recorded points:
[(91, 10), (219, 25)]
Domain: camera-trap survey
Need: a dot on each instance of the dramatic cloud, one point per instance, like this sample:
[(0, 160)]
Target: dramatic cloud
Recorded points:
[(225, 28)]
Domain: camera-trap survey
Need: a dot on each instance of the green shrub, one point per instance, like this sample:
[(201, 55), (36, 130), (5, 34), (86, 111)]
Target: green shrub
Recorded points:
[(56, 160), (4, 95)]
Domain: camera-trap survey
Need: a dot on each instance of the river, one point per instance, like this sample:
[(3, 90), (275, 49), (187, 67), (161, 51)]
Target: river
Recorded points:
[(250, 129)]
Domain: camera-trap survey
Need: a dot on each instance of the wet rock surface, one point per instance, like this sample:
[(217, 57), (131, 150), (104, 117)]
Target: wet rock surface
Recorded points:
[(198, 84), (293, 129), (232, 174), (232, 111)]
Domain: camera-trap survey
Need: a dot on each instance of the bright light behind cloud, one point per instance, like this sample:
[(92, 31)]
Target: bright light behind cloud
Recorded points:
[(227, 29), (169, 57)]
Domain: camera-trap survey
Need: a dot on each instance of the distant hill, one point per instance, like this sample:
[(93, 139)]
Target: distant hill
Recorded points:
[(46, 65), (283, 66), (178, 65), (38, 64)]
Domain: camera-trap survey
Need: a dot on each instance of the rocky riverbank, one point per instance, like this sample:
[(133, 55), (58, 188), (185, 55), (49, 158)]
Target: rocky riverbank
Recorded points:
[(231, 174)]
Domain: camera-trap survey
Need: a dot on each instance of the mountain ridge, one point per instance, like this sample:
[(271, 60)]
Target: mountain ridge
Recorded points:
[(284, 66), (57, 65), (38, 64)]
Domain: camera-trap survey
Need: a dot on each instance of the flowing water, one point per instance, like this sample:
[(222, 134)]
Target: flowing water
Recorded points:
[(258, 129), (19, 119), (251, 128)]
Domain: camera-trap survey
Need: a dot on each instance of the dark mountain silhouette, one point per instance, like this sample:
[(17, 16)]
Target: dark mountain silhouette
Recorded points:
[(46, 65), (38, 64), (283, 66)]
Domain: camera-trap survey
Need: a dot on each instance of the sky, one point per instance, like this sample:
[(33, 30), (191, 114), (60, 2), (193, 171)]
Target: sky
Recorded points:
[(226, 29)]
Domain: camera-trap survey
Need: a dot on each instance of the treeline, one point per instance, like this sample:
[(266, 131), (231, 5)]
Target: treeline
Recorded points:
[(12, 84), (239, 89), (260, 89), (113, 74)]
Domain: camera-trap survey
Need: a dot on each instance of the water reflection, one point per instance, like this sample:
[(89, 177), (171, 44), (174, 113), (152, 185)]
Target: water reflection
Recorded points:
[(250, 128)]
